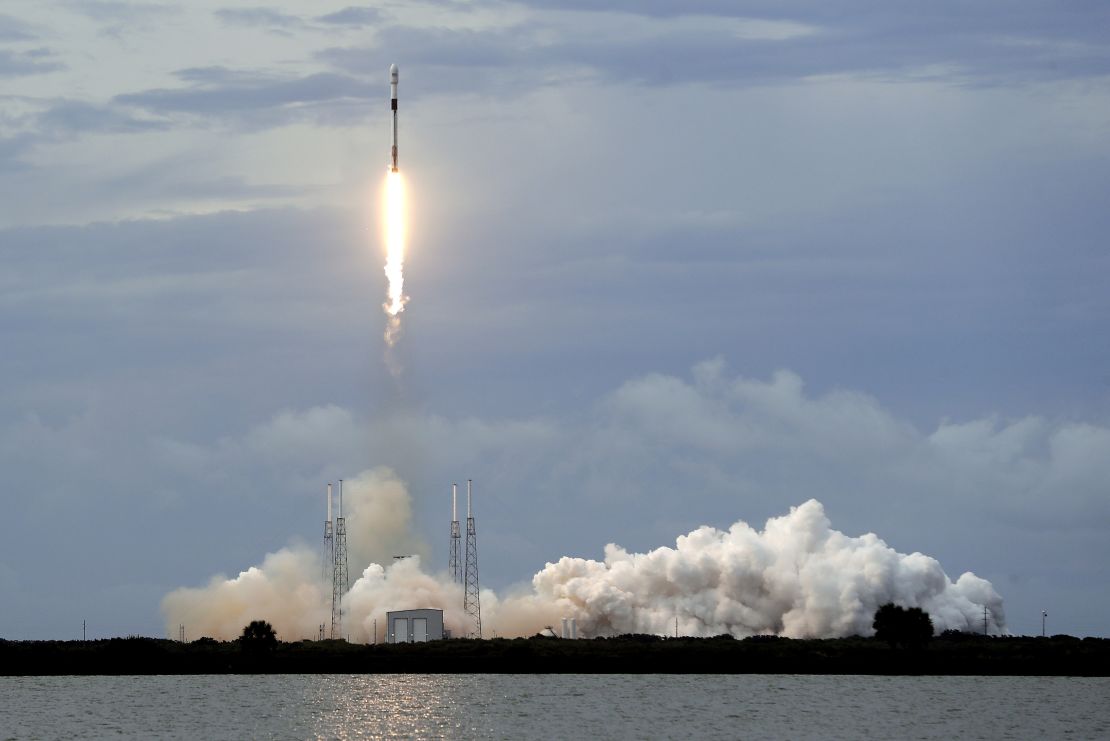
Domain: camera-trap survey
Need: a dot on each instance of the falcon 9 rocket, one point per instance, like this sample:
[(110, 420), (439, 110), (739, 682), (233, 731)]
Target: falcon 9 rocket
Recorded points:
[(393, 105)]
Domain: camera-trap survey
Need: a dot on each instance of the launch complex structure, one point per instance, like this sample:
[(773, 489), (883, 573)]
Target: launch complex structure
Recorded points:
[(464, 574)]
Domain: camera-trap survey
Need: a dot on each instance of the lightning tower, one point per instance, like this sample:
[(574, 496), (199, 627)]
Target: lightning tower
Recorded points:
[(339, 570), (471, 603), (329, 541), (453, 560)]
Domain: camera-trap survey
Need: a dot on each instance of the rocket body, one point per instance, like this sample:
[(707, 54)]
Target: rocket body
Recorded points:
[(393, 107)]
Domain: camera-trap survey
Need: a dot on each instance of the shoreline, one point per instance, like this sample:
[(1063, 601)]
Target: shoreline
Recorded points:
[(963, 655)]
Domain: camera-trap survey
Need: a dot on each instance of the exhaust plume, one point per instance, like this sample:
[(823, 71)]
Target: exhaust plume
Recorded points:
[(394, 262), (797, 577)]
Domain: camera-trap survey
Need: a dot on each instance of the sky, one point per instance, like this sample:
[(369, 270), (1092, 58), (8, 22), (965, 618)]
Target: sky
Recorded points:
[(670, 264)]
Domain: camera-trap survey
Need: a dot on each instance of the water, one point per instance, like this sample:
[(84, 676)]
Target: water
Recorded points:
[(554, 706)]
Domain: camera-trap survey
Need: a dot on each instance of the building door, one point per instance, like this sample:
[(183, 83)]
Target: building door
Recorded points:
[(400, 630), (420, 630)]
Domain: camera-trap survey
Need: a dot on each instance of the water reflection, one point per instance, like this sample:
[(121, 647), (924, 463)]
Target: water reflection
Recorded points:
[(552, 706), (397, 706)]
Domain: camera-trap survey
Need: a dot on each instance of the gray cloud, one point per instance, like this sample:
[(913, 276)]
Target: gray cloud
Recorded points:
[(651, 52), (77, 117), (66, 120), (32, 62), (13, 29), (119, 10), (985, 45), (354, 16), (218, 75), (13, 149), (163, 179), (1000, 16), (258, 16), (259, 100)]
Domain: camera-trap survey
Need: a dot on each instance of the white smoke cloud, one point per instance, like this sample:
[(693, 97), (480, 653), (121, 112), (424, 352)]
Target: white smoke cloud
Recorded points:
[(291, 588), (287, 590), (378, 512), (797, 577)]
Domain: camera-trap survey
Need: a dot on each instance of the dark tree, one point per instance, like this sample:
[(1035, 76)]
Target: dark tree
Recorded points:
[(900, 626), (259, 635)]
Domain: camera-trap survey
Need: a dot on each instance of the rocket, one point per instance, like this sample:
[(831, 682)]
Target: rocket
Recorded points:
[(393, 106)]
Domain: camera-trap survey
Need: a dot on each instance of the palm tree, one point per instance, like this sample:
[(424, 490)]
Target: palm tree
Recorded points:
[(258, 635)]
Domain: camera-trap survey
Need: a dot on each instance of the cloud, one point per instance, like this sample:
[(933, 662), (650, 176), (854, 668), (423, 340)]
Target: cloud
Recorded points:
[(120, 10), (797, 577), (74, 117), (738, 44), (285, 589), (730, 444), (13, 149), (53, 122), (13, 29), (256, 99), (33, 62), (354, 16), (258, 16), (291, 588), (654, 49), (719, 427)]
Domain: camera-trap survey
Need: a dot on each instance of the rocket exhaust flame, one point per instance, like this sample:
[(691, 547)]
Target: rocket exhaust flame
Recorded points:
[(395, 255)]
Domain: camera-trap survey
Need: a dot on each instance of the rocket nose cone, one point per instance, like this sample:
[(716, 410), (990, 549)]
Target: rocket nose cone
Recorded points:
[(393, 73)]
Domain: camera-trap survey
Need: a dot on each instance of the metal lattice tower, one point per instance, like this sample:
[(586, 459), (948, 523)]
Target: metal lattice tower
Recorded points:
[(339, 570), (471, 602), (453, 560), (329, 543)]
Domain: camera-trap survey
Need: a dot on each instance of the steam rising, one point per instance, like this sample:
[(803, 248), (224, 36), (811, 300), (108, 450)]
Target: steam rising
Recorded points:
[(797, 577)]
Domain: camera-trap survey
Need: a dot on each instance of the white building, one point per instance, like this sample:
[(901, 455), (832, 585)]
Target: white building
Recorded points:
[(414, 626)]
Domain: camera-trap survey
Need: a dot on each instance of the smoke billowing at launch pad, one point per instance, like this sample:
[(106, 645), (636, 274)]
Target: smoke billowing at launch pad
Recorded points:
[(796, 576)]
